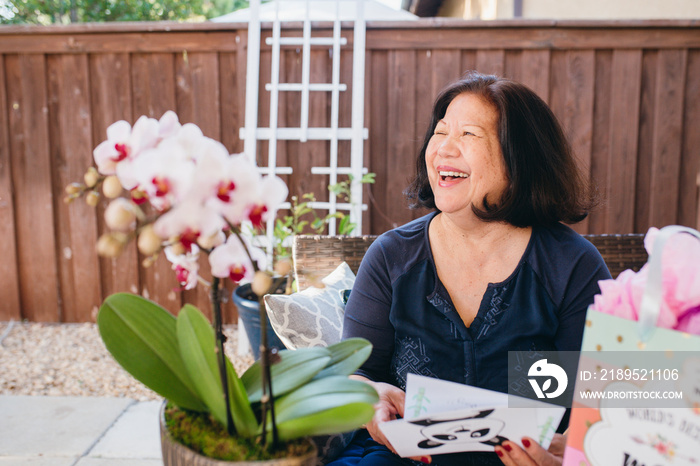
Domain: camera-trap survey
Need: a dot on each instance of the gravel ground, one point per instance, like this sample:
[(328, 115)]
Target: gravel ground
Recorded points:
[(71, 360)]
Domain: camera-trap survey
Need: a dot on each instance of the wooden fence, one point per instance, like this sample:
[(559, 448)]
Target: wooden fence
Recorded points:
[(628, 93)]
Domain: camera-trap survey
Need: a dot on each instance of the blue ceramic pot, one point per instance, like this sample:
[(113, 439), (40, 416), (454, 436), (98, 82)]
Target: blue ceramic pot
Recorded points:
[(249, 312)]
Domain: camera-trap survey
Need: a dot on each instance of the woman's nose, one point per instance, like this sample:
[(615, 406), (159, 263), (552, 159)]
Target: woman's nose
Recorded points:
[(448, 147)]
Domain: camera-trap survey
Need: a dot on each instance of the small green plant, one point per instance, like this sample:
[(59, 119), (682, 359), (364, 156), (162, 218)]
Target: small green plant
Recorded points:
[(305, 219)]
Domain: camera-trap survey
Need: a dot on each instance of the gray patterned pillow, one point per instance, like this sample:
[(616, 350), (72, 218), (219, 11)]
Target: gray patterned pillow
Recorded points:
[(313, 317)]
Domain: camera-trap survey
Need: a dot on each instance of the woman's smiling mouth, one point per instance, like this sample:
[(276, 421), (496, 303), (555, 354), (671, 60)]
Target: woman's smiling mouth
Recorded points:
[(451, 175)]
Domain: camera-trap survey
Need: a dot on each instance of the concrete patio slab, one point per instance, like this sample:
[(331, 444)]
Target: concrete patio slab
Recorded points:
[(55, 426), (117, 462), (135, 434), (36, 461)]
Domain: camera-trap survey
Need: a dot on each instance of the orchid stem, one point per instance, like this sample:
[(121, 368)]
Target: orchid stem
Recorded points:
[(237, 232), (220, 338)]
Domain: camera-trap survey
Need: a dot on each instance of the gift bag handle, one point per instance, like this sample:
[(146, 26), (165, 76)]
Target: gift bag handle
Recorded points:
[(651, 299)]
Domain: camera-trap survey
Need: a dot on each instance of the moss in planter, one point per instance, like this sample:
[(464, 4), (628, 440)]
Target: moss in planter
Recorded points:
[(201, 433)]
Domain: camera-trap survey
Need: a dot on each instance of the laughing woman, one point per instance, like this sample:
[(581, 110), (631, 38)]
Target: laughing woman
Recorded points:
[(492, 269)]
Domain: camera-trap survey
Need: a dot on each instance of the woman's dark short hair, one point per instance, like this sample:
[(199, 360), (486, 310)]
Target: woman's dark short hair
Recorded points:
[(545, 185)]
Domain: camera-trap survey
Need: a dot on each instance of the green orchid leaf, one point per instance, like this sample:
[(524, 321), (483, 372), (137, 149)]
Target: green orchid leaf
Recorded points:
[(198, 347), (322, 394), (346, 357), (198, 351), (295, 368), (241, 410), (333, 404), (142, 338), (340, 419)]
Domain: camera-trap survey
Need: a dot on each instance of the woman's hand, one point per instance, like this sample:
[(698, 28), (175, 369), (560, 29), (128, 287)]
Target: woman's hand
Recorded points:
[(389, 407), (533, 455)]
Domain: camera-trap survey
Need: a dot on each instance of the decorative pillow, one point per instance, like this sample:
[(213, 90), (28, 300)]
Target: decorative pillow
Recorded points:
[(313, 317)]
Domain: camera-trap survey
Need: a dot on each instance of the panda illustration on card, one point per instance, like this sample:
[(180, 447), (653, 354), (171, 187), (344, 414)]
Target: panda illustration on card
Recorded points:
[(477, 428)]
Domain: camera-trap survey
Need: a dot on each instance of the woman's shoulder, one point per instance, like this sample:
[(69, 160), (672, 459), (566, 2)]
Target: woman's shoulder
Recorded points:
[(405, 236), (559, 253), (560, 240), (405, 244)]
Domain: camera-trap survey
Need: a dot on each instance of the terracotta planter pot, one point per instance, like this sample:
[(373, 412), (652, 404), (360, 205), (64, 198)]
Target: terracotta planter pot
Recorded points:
[(176, 454)]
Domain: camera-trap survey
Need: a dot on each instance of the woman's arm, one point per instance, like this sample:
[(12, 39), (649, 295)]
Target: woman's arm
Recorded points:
[(367, 313)]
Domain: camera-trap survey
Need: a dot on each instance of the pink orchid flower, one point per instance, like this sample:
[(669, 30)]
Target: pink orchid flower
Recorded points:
[(189, 221), (231, 261), (125, 143), (186, 266), (164, 174)]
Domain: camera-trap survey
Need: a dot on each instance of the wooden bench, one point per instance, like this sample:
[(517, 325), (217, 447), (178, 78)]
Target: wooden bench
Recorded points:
[(320, 254)]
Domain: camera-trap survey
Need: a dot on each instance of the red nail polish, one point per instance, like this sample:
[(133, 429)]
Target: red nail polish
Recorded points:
[(526, 443), (499, 453), (507, 447), (425, 460)]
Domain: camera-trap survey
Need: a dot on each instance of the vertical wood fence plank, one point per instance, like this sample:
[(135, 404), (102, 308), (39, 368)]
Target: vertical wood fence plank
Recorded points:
[(110, 83), (600, 147), (558, 84), (647, 103), (626, 82), (401, 115), (198, 99), (367, 199), (231, 105), (534, 71), (468, 61), (490, 62), (689, 201), (31, 172), (153, 84), (668, 141), (382, 218), (9, 296), (512, 65), (71, 152), (578, 116)]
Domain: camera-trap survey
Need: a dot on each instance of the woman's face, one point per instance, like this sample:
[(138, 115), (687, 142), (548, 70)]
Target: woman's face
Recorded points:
[(464, 158)]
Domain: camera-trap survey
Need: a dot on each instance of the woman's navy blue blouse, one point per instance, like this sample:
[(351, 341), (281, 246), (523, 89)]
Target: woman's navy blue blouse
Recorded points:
[(399, 304)]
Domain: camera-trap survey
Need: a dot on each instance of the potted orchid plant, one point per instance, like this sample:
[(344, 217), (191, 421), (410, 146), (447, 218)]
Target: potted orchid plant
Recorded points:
[(180, 194)]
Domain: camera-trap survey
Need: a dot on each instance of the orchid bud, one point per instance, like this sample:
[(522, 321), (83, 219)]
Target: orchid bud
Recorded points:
[(120, 214), (283, 266), (91, 177), (210, 242), (149, 261), (111, 187), (148, 243), (92, 198), (111, 244), (74, 188), (177, 248), (261, 283)]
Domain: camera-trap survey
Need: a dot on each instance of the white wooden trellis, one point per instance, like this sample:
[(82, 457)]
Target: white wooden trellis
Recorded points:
[(356, 134)]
